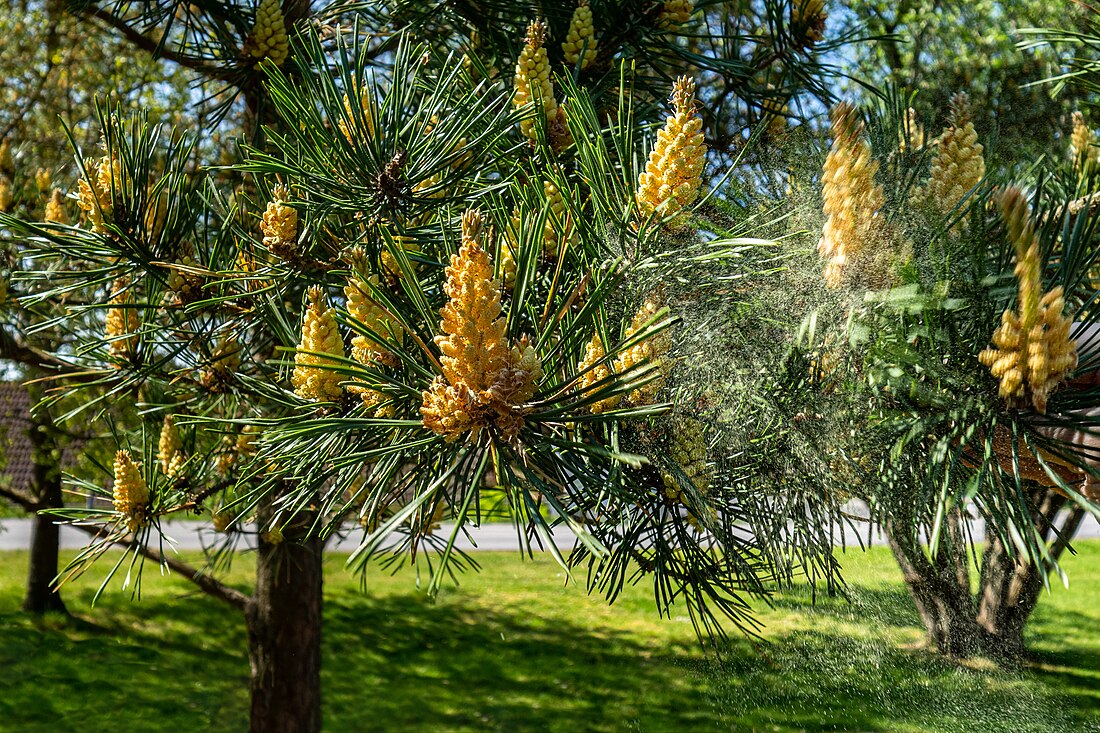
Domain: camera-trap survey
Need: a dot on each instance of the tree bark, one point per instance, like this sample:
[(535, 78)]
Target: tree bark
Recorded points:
[(940, 588), (1010, 590), (284, 638), (41, 594), (1009, 593), (992, 624)]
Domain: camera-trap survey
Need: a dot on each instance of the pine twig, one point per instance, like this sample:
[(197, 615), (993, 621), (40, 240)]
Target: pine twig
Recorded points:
[(204, 581), (18, 497), (151, 46)]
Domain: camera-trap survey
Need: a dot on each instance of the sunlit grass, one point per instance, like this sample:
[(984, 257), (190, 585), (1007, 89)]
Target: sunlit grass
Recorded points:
[(515, 649)]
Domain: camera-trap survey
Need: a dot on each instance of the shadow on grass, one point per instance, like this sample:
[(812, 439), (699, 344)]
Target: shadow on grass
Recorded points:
[(1064, 651), (171, 664), (473, 663), (458, 667), (824, 681)]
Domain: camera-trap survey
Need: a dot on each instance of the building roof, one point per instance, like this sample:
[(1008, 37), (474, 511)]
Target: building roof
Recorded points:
[(16, 449)]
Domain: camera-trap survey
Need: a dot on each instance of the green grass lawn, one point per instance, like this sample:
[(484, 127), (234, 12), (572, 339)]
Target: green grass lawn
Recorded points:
[(516, 649)]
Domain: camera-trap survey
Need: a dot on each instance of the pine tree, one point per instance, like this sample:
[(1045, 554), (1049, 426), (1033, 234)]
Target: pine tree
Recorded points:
[(320, 296), (52, 71), (958, 401)]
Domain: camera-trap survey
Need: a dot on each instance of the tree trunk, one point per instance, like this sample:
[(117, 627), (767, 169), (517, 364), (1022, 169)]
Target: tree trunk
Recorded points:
[(940, 588), (992, 625), (1010, 590), (41, 595), (284, 638)]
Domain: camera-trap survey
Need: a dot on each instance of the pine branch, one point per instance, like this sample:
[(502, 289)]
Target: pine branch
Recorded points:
[(196, 501), (205, 582), (14, 350), (153, 47), (18, 497), (11, 349), (1074, 207), (1068, 530)]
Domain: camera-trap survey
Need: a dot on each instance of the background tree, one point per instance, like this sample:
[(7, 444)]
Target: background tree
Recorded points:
[(937, 48), (927, 254), (53, 79)]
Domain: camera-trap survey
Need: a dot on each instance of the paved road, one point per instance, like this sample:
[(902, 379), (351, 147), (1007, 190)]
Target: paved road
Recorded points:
[(15, 534), (186, 535)]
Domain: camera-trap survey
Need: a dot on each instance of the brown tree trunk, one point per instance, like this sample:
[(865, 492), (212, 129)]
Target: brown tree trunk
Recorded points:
[(284, 638), (992, 625), (1009, 589), (41, 595), (1008, 594), (940, 588)]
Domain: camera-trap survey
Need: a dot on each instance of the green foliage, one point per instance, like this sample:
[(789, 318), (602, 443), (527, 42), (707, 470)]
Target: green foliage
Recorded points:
[(923, 416), (940, 48), (1075, 47), (54, 70), (376, 151), (385, 127)]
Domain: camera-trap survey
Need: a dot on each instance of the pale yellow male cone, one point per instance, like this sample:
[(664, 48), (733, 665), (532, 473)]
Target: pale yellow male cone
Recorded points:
[(532, 80), (279, 225), (581, 37), (1032, 350), (358, 126), (224, 362), (314, 377), (363, 308), (649, 357), (484, 378), (97, 188), (912, 133), (130, 492), (7, 161), (674, 171), (183, 283), (55, 208), (268, 39), (123, 323), (851, 201), (474, 343), (688, 450), (558, 233), (365, 350), (1083, 146), (675, 12), (170, 448), (958, 166), (594, 368)]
